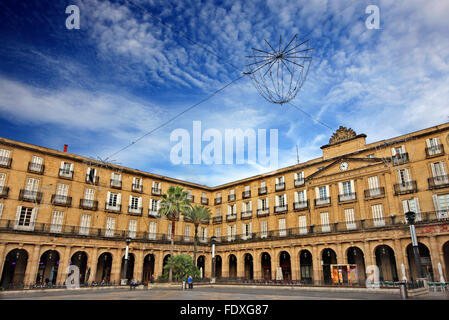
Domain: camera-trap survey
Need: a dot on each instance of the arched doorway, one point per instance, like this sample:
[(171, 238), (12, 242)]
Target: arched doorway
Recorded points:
[(232, 266), (265, 261), (201, 263), (79, 259), (164, 262), (355, 256), (129, 270), (148, 268), (446, 259), (104, 266), (48, 267), (426, 262), (305, 266), (249, 266), (285, 264), (14, 268), (386, 262), (218, 266), (328, 256)]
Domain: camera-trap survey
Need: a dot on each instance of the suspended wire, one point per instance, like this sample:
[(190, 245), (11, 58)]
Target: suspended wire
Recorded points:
[(176, 116), (309, 115)]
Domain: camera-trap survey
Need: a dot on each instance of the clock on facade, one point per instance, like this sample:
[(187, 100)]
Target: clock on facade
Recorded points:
[(344, 166)]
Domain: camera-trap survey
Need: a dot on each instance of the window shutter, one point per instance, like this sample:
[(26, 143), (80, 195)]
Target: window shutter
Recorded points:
[(296, 176), (243, 207), (140, 202), (130, 200), (393, 151), (304, 192), (443, 168), (119, 198), (109, 197), (259, 204), (340, 188), (276, 198), (268, 205), (428, 143), (418, 209), (62, 164), (19, 210), (1, 210), (71, 167), (158, 205), (317, 193), (405, 205), (277, 180), (352, 186), (327, 191), (296, 195), (285, 199), (250, 229), (407, 175), (432, 166), (250, 206), (33, 218), (403, 149)]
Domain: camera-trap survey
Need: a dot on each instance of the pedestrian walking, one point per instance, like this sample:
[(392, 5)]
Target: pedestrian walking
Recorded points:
[(190, 282)]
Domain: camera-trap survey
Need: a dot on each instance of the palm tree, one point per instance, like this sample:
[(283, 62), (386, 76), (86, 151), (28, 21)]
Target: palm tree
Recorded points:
[(197, 214), (172, 204)]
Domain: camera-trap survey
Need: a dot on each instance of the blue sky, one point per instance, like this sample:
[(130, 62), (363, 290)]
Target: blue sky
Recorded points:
[(123, 73)]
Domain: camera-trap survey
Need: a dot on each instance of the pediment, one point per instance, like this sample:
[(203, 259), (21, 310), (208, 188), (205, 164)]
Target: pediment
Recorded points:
[(353, 165)]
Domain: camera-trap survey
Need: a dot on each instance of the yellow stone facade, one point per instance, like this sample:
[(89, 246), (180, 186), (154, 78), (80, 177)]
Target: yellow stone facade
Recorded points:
[(364, 224)]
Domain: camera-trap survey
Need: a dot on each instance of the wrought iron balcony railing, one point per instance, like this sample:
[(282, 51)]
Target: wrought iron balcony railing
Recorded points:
[(115, 183), (4, 192), (299, 182), (231, 197), (374, 193), (65, 174), (322, 202), (246, 194), (246, 215), (92, 179), (153, 213), (347, 197), (262, 190), (438, 182), (113, 208), (156, 191), (217, 219), (301, 205), (204, 200), (191, 198), (434, 151), (231, 217), (30, 196), (263, 212), (280, 209), (5, 162), (135, 211), (217, 200), (280, 186), (88, 204), (137, 188), (405, 187), (36, 167), (59, 200), (400, 158)]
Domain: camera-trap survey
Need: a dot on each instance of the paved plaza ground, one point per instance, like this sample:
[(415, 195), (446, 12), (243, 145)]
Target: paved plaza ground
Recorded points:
[(210, 293)]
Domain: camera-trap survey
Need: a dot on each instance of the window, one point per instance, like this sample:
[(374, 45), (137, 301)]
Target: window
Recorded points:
[(203, 234), (370, 155), (350, 219), (299, 178), (2, 181), (154, 207), (4, 157), (169, 230), (156, 187), (1, 210), (31, 187), (264, 203), (85, 224), (263, 229), (246, 231), (441, 204), (439, 173), (325, 226), (137, 184), (66, 169), (347, 187), (217, 234), (323, 193), (187, 233), (218, 212), (302, 224), (25, 218), (232, 232), (132, 228), (378, 215), (36, 164), (56, 221), (116, 180), (114, 200), (282, 230), (373, 186), (61, 192), (152, 231), (301, 196), (412, 205), (91, 175), (433, 146), (110, 225), (135, 203)]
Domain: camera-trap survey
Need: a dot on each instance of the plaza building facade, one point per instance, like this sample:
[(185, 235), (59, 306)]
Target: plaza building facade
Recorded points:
[(343, 209)]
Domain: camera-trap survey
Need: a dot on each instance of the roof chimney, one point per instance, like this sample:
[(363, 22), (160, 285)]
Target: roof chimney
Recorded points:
[(65, 148)]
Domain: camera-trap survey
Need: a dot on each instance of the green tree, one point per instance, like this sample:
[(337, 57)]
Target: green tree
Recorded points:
[(172, 204), (197, 214), (182, 267)]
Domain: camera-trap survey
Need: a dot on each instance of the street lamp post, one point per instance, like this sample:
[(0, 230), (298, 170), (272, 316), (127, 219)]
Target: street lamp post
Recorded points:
[(410, 216), (213, 240), (125, 265)]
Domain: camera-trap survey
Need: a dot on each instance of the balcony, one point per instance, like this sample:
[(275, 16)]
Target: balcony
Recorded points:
[(280, 209), (65, 174), (217, 200), (156, 191), (153, 213), (217, 219), (246, 194), (135, 211), (204, 201), (301, 205), (400, 158), (191, 198), (58, 200), (4, 192), (36, 168), (438, 182), (246, 214), (113, 208), (137, 188), (92, 179), (280, 186), (322, 202), (30, 196), (405, 187), (88, 204), (262, 190), (347, 197), (263, 212), (231, 197), (374, 193), (231, 217), (5, 162), (434, 151), (299, 182), (117, 184)]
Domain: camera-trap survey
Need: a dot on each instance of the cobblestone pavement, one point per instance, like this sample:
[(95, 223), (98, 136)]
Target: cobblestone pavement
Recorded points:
[(205, 293)]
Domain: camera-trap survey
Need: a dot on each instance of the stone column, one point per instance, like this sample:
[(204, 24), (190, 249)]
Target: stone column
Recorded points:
[(400, 258), (92, 264), (208, 265), (435, 257), (274, 263), (138, 265), (257, 265), (63, 265), (157, 264), (294, 261), (3, 254), (240, 265), (116, 266), (225, 265), (32, 266), (316, 261), (341, 259)]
